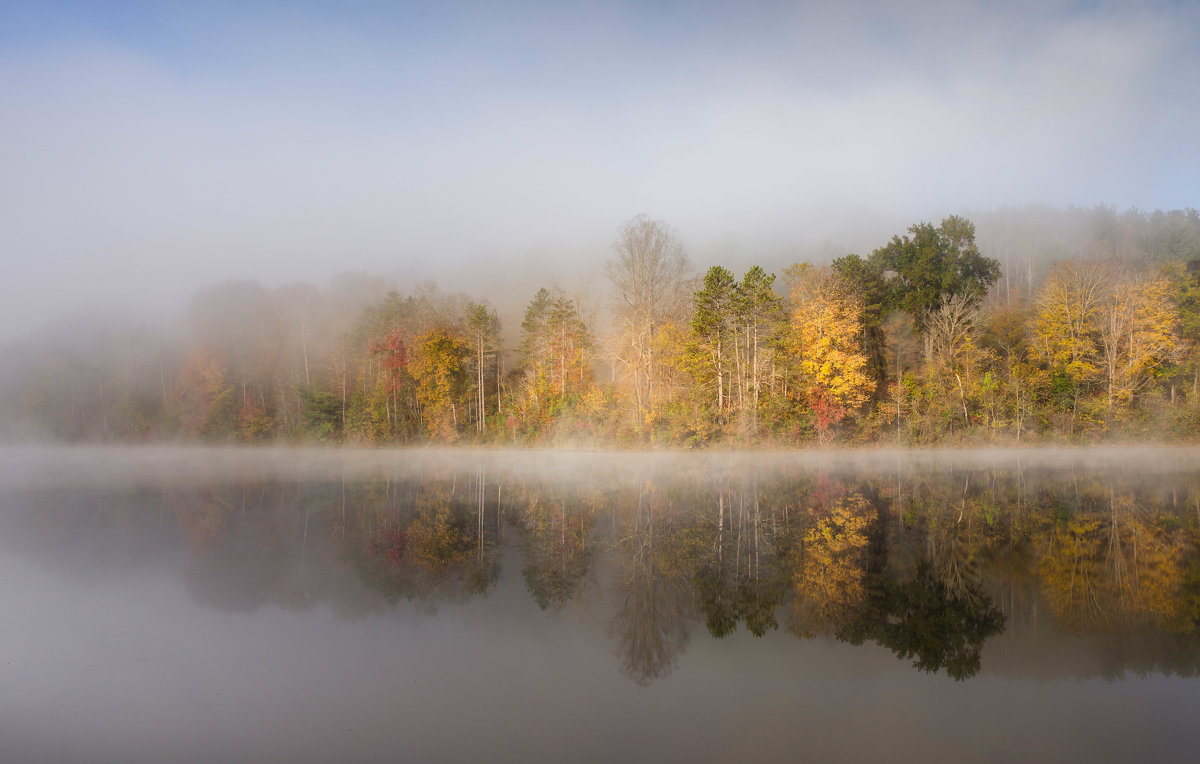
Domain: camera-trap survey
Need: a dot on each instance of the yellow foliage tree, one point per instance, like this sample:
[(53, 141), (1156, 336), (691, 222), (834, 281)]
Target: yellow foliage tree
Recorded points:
[(826, 331), (437, 368), (1139, 334), (1065, 326)]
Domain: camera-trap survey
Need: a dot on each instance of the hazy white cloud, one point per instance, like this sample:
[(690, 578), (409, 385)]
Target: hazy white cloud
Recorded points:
[(165, 151)]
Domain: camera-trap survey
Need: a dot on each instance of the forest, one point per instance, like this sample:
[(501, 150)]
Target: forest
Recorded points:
[(1018, 325)]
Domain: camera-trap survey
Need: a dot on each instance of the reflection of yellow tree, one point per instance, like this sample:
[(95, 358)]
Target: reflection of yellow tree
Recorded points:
[(1101, 571), (437, 538), (430, 554), (1071, 571), (1149, 577), (830, 579)]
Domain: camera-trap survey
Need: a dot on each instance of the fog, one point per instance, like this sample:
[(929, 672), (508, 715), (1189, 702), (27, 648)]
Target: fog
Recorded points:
[(29, 466), (150, 150)]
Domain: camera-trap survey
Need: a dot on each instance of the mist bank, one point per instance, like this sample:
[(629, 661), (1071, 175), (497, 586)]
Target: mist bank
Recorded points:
[(29, 466), (1018, 325)]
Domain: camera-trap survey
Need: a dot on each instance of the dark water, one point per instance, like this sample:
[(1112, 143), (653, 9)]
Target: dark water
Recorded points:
[(204, 605)]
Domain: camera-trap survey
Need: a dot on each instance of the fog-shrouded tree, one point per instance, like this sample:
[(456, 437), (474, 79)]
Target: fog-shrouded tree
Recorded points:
[(438, 369), (483, 326), (650, 272), (554, 354)]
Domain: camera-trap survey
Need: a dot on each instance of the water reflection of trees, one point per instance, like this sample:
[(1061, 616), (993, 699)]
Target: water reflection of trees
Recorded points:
[(737, 574), (654, 599), (934, 566), (557, 551), (424, 541), (830, 566)]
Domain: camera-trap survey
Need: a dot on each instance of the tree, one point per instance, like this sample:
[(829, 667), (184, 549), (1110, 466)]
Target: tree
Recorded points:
[(320, 413), (483, 325), (238, 320), (437, 368), (1065, 327), (1138, 328), (858, 278), (649, 270), (949, 345), (758, 309), (825, 334), (555, 343), (1187, 300), (922, 271), (392, 355), (711, 323), (206, 398)]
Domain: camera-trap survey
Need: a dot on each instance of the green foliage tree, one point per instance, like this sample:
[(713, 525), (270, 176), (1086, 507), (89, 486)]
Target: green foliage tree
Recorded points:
[(921, 271), (711, 325), (759, 311), (320, 413), (859, 279)]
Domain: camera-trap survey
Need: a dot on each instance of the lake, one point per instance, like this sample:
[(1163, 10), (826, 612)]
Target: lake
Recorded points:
[(190, 604)]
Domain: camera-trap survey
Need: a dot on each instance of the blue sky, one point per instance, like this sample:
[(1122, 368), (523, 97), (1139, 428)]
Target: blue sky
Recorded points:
[(165, 146)]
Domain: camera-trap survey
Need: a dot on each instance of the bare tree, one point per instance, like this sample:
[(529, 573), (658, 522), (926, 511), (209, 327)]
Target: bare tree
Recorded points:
[(650, 272), (947, 334), (948, 327)]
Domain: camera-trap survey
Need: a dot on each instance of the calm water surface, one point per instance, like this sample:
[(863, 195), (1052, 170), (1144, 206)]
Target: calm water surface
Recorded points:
[(243, 605)]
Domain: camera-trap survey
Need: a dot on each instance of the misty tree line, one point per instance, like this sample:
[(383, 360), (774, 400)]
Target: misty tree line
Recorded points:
[(1050, 324)]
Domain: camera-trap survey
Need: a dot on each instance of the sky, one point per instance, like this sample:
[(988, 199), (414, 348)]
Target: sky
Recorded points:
[(149, 149)]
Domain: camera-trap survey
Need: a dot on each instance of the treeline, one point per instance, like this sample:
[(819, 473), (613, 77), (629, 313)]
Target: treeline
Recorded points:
[(1089, 330)]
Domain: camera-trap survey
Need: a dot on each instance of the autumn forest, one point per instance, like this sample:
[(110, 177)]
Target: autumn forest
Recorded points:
[(1015, 326)]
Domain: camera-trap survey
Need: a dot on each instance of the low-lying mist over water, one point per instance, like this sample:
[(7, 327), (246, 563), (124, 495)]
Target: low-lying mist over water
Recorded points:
[(42, 466), (259, 603)]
